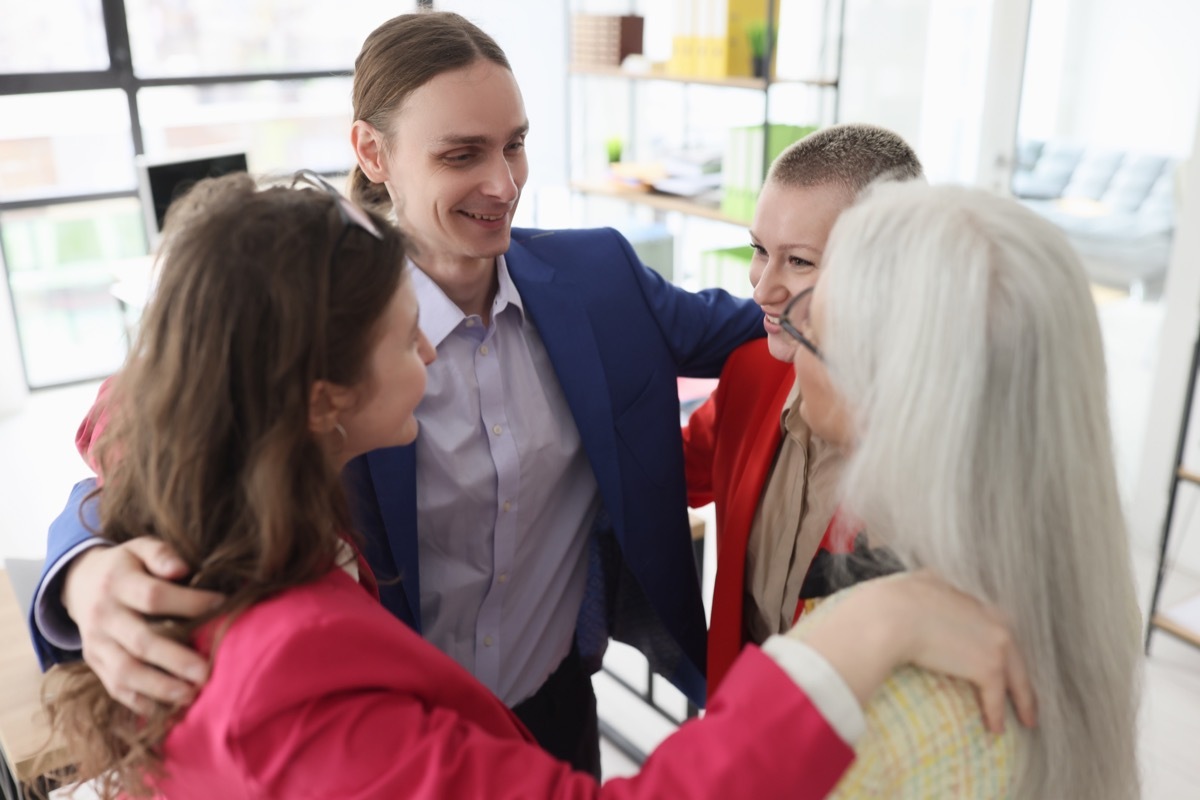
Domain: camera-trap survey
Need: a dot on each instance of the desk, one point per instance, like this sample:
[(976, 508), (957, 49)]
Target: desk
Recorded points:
[(23, 728)]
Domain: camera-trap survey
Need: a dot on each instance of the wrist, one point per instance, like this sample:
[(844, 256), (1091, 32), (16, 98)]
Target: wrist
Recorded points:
[(886, 620), (860, 640), (69, 578)]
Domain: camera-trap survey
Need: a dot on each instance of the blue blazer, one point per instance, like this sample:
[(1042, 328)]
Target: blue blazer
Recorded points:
[(617, 335)]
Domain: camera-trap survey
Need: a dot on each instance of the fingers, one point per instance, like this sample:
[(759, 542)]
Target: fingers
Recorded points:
[(159, 558), (957, 634), (156, 597), (109, 592), (138, 641), (992, 702), (1001, 675), (135, 574), (135, 702), (133, 684), (1020, 689)]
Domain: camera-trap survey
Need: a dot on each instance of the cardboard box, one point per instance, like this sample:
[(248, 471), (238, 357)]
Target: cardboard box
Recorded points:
[(603, 40)]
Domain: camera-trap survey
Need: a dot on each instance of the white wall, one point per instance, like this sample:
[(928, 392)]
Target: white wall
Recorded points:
[(945, 75), (535, 40), (891, 33), (1181, 325), (1112, 73)]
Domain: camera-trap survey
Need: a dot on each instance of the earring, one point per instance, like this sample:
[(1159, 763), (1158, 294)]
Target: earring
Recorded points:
[(337, 426)]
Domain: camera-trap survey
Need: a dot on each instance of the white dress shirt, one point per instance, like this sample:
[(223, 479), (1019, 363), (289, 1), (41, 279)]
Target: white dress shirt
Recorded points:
[(505, 495)]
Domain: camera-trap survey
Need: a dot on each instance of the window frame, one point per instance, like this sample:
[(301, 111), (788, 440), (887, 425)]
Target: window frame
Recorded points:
[(119, 75)]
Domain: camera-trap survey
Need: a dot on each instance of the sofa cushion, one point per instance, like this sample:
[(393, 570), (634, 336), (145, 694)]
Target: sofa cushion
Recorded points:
[(1027, 153), (1092, 175), (1132, 184), (1050, 174)]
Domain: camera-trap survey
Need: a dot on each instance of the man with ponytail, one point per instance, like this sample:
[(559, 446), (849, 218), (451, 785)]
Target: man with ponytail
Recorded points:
[(543, 506)]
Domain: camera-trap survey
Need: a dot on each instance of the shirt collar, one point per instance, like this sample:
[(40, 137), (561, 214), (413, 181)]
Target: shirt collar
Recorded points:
[(790, 421), (440, 316), (506, 294)]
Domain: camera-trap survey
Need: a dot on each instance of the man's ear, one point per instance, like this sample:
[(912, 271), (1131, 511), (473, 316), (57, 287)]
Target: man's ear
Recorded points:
[(326, 401), (369, 150)]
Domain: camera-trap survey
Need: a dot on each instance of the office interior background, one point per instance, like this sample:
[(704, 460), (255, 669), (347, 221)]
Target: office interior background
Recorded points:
[(1084, 109)]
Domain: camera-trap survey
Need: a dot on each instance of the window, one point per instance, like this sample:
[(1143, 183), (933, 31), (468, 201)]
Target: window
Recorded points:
[(76, 28), (282, 125), (62, 261), (78, 101), (227, 37), (64, 143)]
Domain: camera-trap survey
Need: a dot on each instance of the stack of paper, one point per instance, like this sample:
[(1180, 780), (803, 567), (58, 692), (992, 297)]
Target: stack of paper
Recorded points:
[(690, 173)]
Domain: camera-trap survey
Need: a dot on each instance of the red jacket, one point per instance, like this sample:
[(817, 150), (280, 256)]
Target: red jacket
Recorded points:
[(729, 445), (320, 693)]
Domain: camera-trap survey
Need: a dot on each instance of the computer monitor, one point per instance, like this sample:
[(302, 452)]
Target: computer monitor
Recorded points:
[(161, 180)]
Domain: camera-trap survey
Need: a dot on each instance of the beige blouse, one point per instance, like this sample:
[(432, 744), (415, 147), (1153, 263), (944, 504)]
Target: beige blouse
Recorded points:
[(798, 500)]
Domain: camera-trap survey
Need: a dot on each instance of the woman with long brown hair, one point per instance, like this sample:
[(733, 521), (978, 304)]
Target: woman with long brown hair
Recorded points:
[(275, 324)]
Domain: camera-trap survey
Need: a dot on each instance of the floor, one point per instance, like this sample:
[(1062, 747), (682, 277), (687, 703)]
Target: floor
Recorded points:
[(38, 465)]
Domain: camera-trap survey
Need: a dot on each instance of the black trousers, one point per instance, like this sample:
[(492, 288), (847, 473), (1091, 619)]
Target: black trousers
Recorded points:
[(562, 716)]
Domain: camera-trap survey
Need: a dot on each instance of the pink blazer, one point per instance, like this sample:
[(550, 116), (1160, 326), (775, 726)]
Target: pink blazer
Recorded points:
[(320, 693)]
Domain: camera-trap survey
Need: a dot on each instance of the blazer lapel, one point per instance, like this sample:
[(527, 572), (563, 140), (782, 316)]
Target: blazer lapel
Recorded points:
[(394, 475), (562, 320)]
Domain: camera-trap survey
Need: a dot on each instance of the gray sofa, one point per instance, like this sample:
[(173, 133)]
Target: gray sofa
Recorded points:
[(1118, 209)]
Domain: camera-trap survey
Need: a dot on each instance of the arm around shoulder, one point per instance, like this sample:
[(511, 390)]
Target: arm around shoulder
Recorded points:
[(701, 328), (431, 731)]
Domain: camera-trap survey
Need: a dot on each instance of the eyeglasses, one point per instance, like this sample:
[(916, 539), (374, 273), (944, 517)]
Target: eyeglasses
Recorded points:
[(352, 216), (795, 321)]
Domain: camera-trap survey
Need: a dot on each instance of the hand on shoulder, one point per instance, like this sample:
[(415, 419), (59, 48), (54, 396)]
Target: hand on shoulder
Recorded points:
[(918, 618), (109, 591)]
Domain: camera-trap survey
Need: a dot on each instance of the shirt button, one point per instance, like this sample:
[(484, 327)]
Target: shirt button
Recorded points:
[(470, 322), (507, 505), (496, 429), (483, 350), (487, 641), (503, 577)]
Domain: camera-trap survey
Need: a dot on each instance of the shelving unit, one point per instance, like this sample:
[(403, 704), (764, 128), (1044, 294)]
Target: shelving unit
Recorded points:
[(1183, 621), (757, 84), (830, 58), (655, 200)]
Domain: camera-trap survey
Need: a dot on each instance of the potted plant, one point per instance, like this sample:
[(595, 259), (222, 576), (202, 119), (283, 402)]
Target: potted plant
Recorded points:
[(756, 32), (613, 147)]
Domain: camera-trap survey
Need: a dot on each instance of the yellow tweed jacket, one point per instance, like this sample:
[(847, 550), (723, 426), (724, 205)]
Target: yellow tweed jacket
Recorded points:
[(925, 739)]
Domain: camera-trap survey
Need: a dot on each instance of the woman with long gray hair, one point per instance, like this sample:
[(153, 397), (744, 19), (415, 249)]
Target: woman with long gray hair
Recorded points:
[(952, 348)]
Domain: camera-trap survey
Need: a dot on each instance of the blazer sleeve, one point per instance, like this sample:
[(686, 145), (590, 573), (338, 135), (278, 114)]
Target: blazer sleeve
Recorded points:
[(68, 536), (701, 328), (342, 733)]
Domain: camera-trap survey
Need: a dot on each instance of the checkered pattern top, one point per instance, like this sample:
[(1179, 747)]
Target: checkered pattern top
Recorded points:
[(925, 738)]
